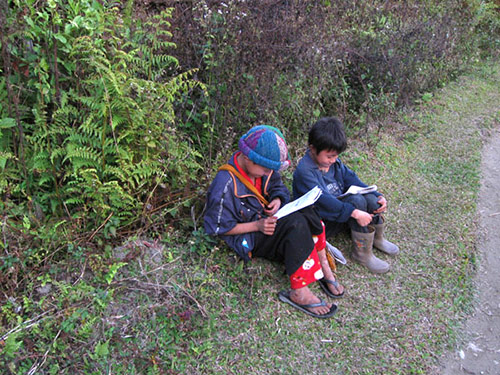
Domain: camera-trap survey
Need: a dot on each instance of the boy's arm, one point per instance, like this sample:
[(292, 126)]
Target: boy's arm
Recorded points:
[(330, 208), (264, 225), (277, 189), (221, 213)]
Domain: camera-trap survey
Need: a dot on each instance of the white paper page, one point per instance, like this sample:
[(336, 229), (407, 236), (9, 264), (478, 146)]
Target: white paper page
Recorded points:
[(306, 200), (354, 189)]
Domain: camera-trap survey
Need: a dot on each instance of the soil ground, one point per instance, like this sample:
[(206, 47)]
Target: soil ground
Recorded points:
[(479, 350)]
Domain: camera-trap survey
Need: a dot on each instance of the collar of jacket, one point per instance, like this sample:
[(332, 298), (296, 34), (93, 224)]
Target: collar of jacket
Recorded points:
[(241, 191)]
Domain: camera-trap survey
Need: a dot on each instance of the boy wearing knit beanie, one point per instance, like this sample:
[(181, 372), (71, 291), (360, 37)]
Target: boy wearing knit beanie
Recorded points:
[(241, 202)]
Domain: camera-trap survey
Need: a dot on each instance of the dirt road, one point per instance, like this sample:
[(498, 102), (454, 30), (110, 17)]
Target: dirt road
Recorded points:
[(479, 352)]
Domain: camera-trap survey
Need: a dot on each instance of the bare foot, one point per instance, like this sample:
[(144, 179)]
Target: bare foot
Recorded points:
[(327, 271), (304, 296), (336, 288)]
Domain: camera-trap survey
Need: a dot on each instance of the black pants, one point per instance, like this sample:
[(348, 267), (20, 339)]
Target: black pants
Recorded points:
[(291, 242)]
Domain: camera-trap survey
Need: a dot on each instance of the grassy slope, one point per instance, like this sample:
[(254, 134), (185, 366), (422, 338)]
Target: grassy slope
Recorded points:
[(199, 311), (398, 323)]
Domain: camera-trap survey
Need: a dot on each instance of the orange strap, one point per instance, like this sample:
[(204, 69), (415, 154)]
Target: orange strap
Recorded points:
[(248, 184)]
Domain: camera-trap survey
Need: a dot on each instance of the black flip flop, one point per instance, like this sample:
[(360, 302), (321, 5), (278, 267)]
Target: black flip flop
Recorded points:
[(323, 284), (284, 296)]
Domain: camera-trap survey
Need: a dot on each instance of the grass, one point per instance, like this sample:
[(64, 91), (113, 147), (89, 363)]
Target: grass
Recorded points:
[(192, 308)]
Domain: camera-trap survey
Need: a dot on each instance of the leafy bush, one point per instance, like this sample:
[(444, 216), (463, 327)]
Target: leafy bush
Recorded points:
[(89, 129), (287, 63), (486, 23)]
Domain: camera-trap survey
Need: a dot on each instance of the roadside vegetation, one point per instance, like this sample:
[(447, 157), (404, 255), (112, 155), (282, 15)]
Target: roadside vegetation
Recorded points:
[(109, 136)]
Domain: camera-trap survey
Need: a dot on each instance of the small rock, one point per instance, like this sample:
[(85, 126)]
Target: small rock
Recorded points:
[(44, 289)]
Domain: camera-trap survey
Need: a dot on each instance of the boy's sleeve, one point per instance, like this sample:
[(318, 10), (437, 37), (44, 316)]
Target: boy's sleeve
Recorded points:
[(220, 213), (277, 189), (329, 207)]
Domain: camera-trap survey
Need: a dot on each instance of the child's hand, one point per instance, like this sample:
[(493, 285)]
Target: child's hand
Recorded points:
[(383, 205), (273, 207), (267, 225), (363, 218)]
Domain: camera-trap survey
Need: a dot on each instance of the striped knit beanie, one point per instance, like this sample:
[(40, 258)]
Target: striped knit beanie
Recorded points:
[(266, 146)]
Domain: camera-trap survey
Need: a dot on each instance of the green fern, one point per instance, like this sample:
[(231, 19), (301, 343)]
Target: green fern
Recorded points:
[(100, 140)]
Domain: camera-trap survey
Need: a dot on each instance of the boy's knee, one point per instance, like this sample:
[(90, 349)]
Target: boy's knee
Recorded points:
[(358, 201), (371, 202), (295, 221)]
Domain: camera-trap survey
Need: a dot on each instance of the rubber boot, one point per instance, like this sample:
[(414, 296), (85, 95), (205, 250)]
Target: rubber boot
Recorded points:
[(363, 251), (381, 243)]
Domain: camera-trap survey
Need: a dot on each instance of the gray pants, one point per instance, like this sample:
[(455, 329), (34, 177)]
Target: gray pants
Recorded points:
[(363, 202)]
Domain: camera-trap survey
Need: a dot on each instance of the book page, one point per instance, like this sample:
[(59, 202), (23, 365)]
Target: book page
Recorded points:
[(306, 200), (354, 189)]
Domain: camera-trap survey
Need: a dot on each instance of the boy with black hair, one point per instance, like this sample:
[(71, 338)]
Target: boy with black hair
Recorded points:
[(241, 202), (362, 214)]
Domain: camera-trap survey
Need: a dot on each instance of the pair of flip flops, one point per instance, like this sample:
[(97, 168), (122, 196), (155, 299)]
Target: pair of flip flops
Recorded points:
[(284, 296)]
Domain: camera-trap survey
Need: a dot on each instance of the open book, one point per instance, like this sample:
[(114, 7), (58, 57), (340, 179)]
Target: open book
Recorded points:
[(354, 189), (306, 200)]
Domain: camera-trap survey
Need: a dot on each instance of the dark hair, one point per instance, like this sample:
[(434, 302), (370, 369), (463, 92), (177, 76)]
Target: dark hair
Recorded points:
[(328, 134)]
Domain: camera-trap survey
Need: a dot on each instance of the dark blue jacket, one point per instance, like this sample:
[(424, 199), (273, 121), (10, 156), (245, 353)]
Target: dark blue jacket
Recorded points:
[(230, 202), (333, 183)]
